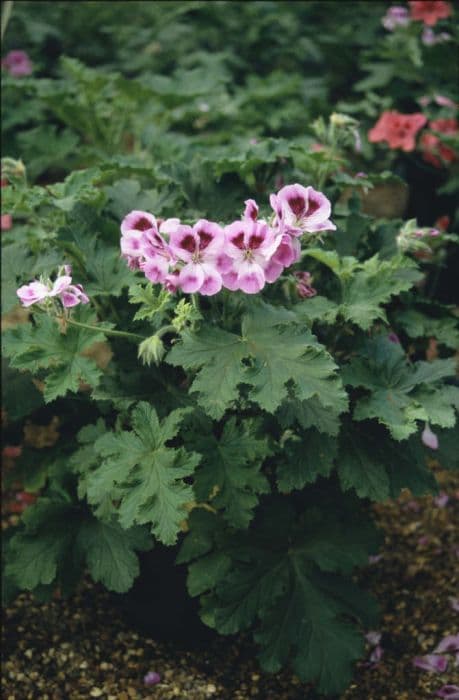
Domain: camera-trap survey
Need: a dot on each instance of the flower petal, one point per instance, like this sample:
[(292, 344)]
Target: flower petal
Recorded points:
[(447, 644), (431, 662), (251, 278), (191, 278)]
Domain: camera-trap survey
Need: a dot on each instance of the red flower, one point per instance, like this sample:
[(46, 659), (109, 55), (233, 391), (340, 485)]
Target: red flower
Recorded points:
[(399, 130), (428, 11), (434, 150), (443, 222)]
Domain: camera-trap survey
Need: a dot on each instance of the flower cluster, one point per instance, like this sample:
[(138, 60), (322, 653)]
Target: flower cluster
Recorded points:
[(17, 63), (245, 255), (62, 288), (399, 130)]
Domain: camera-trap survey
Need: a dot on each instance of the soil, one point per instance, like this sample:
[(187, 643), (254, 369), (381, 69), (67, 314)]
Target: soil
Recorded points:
[(87, 647)]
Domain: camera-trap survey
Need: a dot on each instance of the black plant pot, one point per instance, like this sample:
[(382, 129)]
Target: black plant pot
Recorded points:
[(159, 604)]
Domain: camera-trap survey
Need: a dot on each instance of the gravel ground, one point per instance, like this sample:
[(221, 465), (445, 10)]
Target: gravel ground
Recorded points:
[(85, 648)]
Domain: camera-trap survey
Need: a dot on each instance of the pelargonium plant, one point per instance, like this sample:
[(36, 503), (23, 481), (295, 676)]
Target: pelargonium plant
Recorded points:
[(216, 361), (258, 420)]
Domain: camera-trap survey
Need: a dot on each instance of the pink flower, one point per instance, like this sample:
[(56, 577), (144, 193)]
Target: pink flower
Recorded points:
[(32, 293), (449, 691), (250, 245), (73, 295), (201, 248), (396, 16), (431, 662), (138, 221), (301, 210), (443, 101), (429, 438), (447, 644), (429, 11), (399, 130), (68, 293), (17, 63), (454, 602), (143, 246), (7, 222), (250, 211)]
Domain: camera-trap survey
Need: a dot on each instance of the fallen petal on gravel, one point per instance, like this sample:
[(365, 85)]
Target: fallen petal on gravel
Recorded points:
[(449, 643), (449, 691), (431, 662)]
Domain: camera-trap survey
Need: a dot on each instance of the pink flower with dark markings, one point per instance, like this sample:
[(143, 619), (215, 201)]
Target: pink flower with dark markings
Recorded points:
[(431, 662), (301, 210), (250, 211), (17, 63), (429, 438), (138, 220), (32, 293), (201, 249), (144, 247), (68, 293), (250, 245)]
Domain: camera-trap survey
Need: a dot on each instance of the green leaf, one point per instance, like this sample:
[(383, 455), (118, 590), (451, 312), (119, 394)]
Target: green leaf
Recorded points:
[(317, 309), (418, 325), (143, 474), (367, 286), (154, 302), (359, 468), (304, 459), (37, 553), (394, 386), (372, 285), (269, 578), (45, 346), (229, 475), (321, 412), (110, 553), (271, 352), (108, 274)]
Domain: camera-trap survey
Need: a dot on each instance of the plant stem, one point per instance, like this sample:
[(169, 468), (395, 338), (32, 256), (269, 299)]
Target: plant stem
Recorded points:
[(106, 331), (6, 15)]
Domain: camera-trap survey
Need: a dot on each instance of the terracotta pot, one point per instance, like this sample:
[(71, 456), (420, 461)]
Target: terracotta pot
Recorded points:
[(387, 200)]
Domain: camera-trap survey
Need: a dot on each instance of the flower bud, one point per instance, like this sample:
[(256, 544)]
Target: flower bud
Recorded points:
[(151, 350)]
